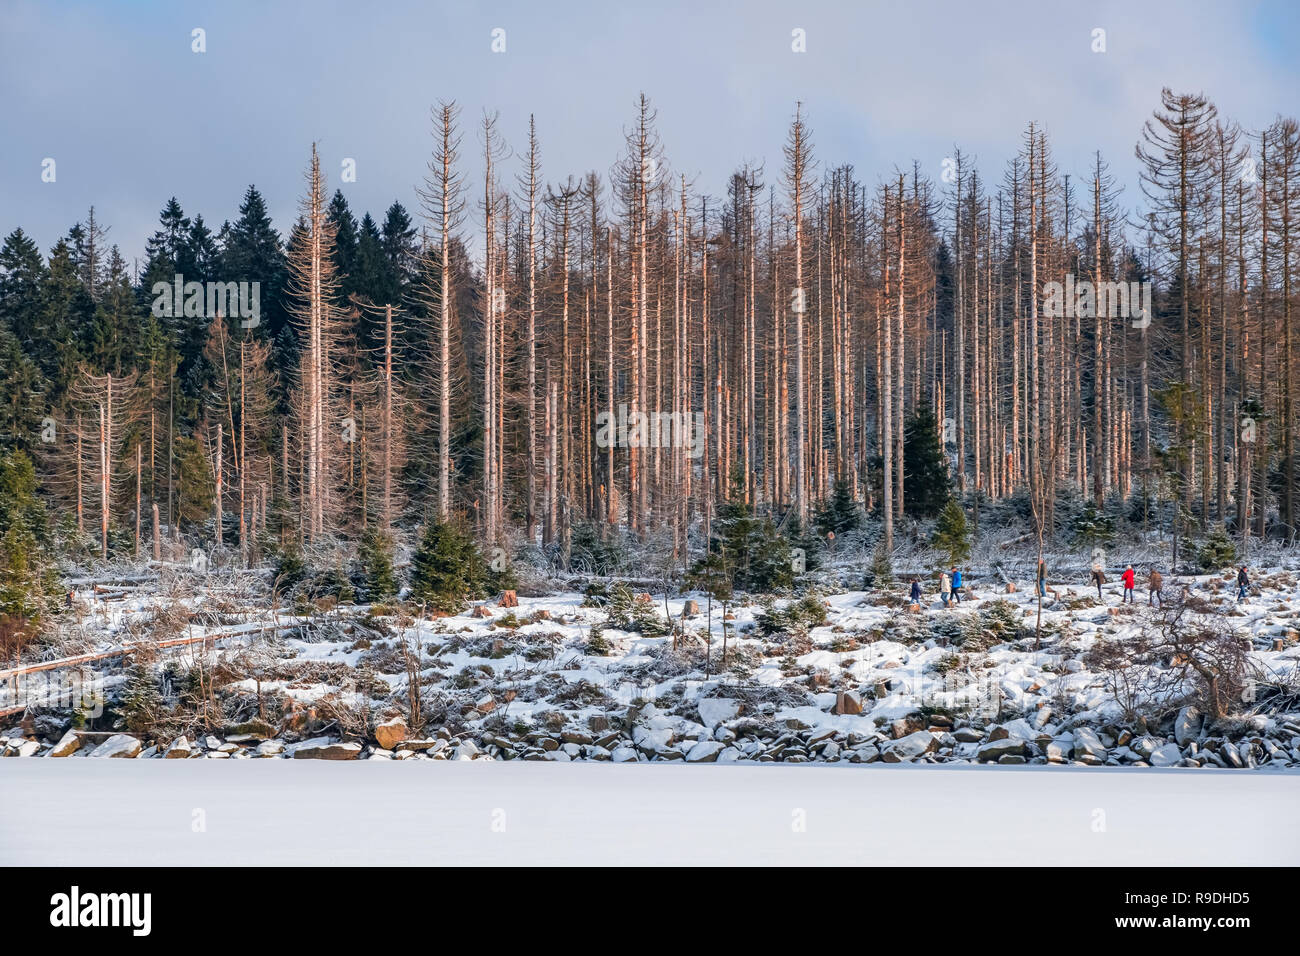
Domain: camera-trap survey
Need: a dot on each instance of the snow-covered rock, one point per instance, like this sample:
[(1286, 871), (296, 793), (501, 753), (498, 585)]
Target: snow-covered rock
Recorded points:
[(995, 749), (1088, 744), (706, 751), (322, 748), (717, 710), (1167, 756), (1187, 726), (68, 744), (914, 745), (119, 745)]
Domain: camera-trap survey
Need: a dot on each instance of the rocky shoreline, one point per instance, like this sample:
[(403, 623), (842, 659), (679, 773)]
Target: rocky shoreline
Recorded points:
[(721, 735)]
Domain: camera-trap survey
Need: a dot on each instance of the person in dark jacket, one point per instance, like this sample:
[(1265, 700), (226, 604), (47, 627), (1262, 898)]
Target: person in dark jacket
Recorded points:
[(916, 591), (1243, 582), (1098, 578), (1042, 578), (1155, 584)]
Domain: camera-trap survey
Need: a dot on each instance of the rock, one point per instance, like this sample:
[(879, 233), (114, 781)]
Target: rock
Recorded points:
[(119, 745), (270, 748), (1012, 758), (322, 748), (847, 702), (391, 733), (623, 755), (1167, 756), (1187, 725), (1144, 746), (467, 750), (576, 737), (968, 735), (18, 747), (249, 731), (178, 749), (67, 745), (485, 704), (420, 745), (1087, 743), (1058, 750), (717, 710), (706, 751), (914, 745), (996, 749), (211, 743), (652, 740)]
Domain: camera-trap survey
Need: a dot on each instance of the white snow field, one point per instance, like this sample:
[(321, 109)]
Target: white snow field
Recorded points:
[(200, 812)]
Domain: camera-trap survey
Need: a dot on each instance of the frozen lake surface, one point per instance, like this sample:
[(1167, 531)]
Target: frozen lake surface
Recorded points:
[(208, 812)]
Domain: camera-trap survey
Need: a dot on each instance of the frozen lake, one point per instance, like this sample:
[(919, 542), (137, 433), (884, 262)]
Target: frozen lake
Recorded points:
[(208, 812)]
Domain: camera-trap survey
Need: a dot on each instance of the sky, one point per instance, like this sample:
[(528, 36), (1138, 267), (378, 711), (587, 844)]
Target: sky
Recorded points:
[(115, 94)]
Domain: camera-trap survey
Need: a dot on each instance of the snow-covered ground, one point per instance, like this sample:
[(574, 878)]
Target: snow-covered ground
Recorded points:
[(554, 680), (488, 813)]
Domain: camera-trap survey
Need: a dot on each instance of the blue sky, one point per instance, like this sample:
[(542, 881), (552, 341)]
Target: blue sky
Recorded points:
[(113, 92)]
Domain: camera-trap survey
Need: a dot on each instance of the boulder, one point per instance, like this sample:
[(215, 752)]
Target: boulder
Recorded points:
[(322, 748), (249, 731), (1167, 756), (706, 751), (914, 745), (1058, 750), (1144, 746), (1187, 726), (178, 749), (391, 733), (270, 748), (995, 749), (1088, 744), (420, 745), (119, 745), (847, 702), (67, 745)]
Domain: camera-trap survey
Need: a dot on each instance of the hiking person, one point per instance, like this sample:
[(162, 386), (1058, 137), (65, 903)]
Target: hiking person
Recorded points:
[(956, 585), (1042, 578), (916, 591), (1098, 578), (1128, 577), (1243, 582), (1155, 584), (945, 588)]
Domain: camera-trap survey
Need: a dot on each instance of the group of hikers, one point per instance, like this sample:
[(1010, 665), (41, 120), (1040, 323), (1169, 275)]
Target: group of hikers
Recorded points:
[(950, 585)]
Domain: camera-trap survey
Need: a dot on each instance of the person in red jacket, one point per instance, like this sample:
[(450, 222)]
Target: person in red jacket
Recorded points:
[(1127, 577)]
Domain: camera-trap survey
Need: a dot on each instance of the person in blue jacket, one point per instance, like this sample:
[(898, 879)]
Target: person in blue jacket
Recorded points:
[(956, 585)]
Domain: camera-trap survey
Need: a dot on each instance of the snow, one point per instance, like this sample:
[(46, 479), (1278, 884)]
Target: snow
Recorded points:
[(310, 813)]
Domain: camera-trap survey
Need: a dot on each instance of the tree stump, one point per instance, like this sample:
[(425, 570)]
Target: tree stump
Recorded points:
[(508, 599)]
